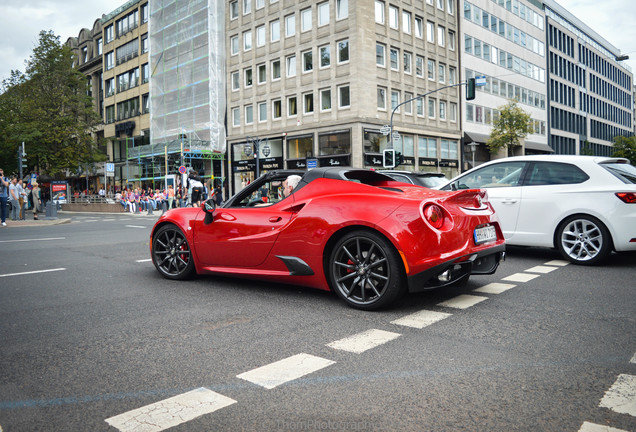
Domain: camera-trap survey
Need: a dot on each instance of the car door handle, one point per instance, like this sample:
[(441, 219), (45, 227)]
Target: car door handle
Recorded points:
[(508, 201), (226, 217), (275, 219)]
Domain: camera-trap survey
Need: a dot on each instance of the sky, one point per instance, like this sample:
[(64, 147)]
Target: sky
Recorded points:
[(22, 20)]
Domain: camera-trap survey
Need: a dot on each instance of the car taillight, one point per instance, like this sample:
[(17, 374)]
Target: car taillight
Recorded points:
[(434, 215), (627, 197)]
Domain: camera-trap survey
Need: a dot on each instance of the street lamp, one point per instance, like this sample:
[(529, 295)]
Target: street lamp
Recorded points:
[(473, 149), (256, 143)]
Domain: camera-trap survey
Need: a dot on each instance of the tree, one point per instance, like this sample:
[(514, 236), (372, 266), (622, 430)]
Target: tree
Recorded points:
[(625, 147), (512, 125), (49, 109)]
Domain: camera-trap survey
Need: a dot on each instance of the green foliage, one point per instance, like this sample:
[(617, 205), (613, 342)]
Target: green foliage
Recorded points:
[(49, 109), (512, 125), (625, 147)]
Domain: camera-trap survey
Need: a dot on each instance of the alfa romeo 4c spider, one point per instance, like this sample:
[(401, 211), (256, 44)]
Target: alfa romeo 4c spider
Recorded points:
[(357, 232)]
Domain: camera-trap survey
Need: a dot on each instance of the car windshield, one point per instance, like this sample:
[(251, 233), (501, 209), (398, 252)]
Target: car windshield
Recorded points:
[(433, 181), (624, 171)]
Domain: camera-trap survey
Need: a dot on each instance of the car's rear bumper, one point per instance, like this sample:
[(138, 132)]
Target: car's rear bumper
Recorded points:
[(484, 261)]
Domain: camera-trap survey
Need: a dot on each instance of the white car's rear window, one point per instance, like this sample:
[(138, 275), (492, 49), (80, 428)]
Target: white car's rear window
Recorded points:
[(625, 172)]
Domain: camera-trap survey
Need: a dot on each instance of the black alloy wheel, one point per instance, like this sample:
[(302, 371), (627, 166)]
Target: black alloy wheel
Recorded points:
[(171, 253), (366, 271)]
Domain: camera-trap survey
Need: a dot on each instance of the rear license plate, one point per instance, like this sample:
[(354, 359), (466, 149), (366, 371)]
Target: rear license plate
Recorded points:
[(485, 234)]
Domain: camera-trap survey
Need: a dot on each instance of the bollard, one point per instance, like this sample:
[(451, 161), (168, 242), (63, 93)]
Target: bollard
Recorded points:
[(137, 205), (150, 209), (51, 210), (164, 207)]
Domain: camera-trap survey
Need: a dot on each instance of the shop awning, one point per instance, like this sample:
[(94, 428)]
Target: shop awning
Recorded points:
[(476, 137), (538, 146)]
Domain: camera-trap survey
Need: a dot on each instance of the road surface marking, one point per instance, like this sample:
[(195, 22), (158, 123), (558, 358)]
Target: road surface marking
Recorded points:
[(421, 319), (144, 260), (171, 412), (621, 397), (593, 427), (520, 277), (31, 272), (364, 341), (282, 371), (559, 263), (633, 360), (30, 240), (135, 226), (463, 301), (541, 269), (494, 288)]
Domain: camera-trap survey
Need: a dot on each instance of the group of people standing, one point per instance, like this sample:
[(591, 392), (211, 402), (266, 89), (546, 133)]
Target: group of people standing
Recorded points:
[(14, 194)]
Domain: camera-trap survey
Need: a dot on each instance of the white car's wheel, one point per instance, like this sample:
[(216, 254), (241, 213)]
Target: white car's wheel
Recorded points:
[(583, 239)]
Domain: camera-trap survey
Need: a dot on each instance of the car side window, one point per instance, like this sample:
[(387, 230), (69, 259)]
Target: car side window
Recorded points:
[(268, 193), (505, 174), (552, 173)]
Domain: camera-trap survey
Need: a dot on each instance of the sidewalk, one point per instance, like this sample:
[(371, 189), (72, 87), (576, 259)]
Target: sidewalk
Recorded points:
[(61, 219)]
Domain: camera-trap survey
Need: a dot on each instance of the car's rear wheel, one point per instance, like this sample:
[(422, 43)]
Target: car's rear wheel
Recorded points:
[(583, 239), (171, 253), (366, 271)]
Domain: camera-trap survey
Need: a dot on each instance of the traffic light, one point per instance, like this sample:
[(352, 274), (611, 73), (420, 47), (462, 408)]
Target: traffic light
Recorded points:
[(398, 158), (388, 158), (470, 89)]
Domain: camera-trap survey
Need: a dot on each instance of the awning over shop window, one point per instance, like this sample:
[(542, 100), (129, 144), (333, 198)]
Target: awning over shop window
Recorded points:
[(529, 145), (538, 146), (476, 137)]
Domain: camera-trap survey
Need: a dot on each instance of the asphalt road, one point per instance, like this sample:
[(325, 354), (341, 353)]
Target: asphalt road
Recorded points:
[(99, 334)]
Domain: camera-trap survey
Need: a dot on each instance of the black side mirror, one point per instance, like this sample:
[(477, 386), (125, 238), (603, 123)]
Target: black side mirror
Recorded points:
[(208, 207)]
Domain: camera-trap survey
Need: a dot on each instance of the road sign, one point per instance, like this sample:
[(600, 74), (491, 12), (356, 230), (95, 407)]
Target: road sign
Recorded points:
[(385, 130), (110, 167), (396, 136), (480, 81), (182, 169), (312, 163)]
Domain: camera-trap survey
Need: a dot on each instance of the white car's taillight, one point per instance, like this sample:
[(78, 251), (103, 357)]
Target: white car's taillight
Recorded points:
[(627, 197)]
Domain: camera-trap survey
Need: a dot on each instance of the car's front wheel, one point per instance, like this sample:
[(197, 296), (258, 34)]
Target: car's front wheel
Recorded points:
[(583, 239), (171, 253), (366, 271)]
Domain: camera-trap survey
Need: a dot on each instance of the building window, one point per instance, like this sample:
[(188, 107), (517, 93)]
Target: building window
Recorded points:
[(248, 77), (145, 73), (308, 103), (441, 36), (395, 99), (260, 36), (393, 57), (236, 117), (109, 34), (110, 113), (275, 70), (234, 9), (325, 100), (419, 66), (408, 103), (430, 31), (451, 7), (408, 60), (431, 70), (406, 22), (249, 114), (344, 97), (380, 55), (440, 4), (382, 98), (127, 51), (247, 40), (109, 86), (305, 20), (452, 75), (290, 25), (334, 143), (262, 74), (342, 9), (442, 110), (453, 112), (100, 46), (84, 54), (234, 45), (379, 12), (127, 23), (110, 60), (277, 109), (292, 106), (128, 108), (451, 40), (308, 61), (247, 6), (274, 28), (431, 108), (291, 66), (419, 27), (393, 17), (262, 112), (419, 107), (323, 14), (236, 81), (441, 73), (145, 103), (260, 4), (325, 56), (343, 51), (144, 13)]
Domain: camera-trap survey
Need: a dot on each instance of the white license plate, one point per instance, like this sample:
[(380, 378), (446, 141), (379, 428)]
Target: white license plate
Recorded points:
[(485, 234)]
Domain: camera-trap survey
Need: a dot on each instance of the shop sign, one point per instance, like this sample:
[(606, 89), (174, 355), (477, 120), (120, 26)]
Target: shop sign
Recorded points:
[(373, 159), (408, 160), (428, 162), (271, 163), (297, 164), (335, 161), (244, 165), (449, 163)]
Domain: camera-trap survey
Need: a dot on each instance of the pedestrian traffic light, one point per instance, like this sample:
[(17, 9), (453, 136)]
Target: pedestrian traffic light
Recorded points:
[(388, 158), (470, 89), (398, 158)]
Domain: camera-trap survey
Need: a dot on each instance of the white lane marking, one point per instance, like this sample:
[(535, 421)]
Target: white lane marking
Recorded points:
[(541, 269), (30, 240), (282, 371), (134, 226), (92, 220), (364, 341), (463, 301), (421, 319), (559, 263), (144, 260), (494, 288), (621, 397), (593, 427), (108, 220), (171, 412), (32, 272), (633, 360), (521, 277)]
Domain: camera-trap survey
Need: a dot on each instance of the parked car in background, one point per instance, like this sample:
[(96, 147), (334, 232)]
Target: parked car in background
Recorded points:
[(356, 232), (585, 206), (427, 179)]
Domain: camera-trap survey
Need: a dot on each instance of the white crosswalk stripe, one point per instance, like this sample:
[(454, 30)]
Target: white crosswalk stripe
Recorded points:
[(463, 301), (521, 277), (421, 319), (621, 397), (593, 427), (282, 371), (558, 263), (542, 269), (494, 288), (170, 412), (364, 341)]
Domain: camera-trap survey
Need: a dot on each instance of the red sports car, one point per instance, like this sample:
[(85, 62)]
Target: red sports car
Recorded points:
[(357, 232)]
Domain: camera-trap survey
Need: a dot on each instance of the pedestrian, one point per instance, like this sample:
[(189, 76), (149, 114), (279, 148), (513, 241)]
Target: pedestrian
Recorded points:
[(4, 195), (22, 196), (197, 187), (170, 196), (14, 199), (35, 196)]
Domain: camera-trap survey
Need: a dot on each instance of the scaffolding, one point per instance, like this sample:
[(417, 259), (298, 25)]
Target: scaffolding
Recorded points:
[(187, 84)]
